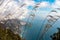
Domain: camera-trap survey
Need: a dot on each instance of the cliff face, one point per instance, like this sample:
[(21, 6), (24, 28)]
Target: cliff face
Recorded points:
[(56, 36), (7, 34)]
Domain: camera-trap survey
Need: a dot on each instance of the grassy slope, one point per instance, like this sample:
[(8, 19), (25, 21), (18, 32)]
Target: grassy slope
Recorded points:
[(6, 34)]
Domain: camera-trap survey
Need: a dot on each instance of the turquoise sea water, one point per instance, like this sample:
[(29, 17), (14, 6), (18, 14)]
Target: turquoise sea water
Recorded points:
[(36, 29)]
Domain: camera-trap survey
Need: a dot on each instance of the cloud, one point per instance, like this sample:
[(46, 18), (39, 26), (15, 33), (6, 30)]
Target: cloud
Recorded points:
[(56, 4), (29, 2), (33, 3), (13, 9), (43, 4)]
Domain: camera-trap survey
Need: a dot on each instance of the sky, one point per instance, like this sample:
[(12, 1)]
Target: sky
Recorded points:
[(43, 7), (43, 4), (50, 1)]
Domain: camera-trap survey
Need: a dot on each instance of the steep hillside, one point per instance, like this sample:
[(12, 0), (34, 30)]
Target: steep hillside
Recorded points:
[(7, 34)]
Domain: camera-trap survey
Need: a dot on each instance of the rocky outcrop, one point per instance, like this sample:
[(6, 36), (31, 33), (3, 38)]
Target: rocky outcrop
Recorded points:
[(56, 36)]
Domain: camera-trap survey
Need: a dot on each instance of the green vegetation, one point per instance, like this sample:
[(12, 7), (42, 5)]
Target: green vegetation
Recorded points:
[(7, 34), (56, 36)]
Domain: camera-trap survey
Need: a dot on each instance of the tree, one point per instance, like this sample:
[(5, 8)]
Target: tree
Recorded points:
[(7, 34), (56, 36)]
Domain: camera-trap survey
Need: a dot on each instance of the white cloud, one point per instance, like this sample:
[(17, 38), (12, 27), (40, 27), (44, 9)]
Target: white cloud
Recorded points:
[(44, 4), (29, 2), (14, 9), (56, 4), (32, 3)]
